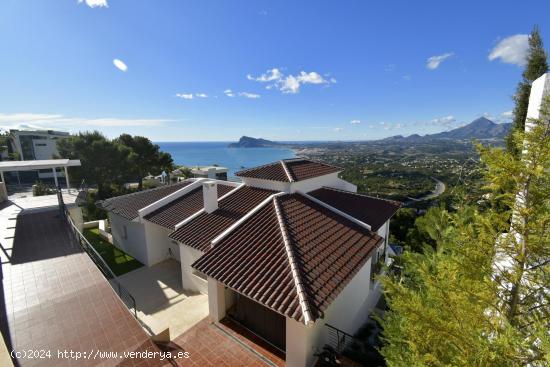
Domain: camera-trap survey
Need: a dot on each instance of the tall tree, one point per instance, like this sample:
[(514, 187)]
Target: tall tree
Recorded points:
[(537, 64), (104, 162), (480, 298), (146, 157)]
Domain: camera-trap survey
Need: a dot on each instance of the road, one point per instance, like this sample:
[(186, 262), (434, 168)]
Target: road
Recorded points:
[(439, 189)]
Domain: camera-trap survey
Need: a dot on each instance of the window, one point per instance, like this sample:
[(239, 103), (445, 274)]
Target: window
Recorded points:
[(377, 264)]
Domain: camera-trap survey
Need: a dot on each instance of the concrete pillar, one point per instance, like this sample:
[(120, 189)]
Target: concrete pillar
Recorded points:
[(216, 300), (55, 177), (299, 347), (67, 179)]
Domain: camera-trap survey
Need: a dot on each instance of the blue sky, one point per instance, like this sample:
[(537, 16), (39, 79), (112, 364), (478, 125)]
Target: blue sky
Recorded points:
[(288, 70)]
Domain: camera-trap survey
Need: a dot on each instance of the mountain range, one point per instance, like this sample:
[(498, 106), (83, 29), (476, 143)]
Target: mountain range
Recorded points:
[(480, 129)]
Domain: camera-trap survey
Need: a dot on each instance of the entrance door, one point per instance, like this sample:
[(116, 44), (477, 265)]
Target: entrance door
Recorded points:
[(259, 319)]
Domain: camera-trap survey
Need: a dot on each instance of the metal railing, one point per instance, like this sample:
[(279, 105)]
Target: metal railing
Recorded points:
[(339, 339), (122, 292)]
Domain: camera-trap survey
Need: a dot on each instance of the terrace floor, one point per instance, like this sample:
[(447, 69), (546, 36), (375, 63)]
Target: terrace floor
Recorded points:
[(25, 200), (54, 298), (158, 293), (223, 345)]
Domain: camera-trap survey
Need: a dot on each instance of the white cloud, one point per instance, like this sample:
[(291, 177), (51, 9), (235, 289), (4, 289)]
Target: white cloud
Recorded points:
[(290, 84), (120, 64), (262, 12), (390, 125), (191, 95), (499, 118), (185, 95), (229, 93), (445, 121), (269, 76), (95, 3), (407, 77), (338, 129), (355, 122), (311, 78), (27, 117), (55, 121), (249, 95), (105, 122), (507, 114), (433, 62), (511, 50)]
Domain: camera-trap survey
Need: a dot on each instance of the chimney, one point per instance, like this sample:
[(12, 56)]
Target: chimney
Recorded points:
[(210, 196)]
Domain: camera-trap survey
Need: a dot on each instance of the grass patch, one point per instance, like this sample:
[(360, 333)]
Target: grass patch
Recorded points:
[(119, 261)]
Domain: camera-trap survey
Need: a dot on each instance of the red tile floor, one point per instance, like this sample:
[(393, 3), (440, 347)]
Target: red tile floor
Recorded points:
[(53, 298), (218, 345)]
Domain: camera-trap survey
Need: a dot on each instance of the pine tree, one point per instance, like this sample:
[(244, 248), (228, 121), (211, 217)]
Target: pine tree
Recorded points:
[(537, 64), (522, 263), (481, 297)]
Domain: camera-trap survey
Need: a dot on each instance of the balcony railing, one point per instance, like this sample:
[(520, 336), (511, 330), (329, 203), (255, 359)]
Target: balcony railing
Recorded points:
[(338, 339), (122, 292)]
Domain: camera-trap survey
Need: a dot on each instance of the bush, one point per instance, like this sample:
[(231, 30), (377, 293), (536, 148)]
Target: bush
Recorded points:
[(41, 189)]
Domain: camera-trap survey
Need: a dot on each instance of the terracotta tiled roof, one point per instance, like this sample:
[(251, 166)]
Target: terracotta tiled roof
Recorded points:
[(289, 170), (372, 211), (206, 226), (302, 169), (127, 206), (327, 249), (183, 207)]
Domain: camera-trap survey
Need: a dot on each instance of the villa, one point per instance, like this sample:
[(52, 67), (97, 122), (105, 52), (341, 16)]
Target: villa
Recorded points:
[(283, 253)]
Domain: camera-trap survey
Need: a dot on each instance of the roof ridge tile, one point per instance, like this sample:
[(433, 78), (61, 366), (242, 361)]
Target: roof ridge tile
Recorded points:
[(305, 304), (287, 171)]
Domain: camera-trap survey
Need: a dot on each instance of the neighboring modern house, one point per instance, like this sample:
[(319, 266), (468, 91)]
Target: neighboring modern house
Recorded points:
[(36, 145), (290, 249), (215, 172)]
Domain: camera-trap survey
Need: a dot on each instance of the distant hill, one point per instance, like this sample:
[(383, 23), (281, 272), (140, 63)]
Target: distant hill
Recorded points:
[(249, 142), (481, 128)]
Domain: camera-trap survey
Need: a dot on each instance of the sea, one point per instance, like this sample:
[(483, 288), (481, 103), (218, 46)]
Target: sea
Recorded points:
[(209, 153)]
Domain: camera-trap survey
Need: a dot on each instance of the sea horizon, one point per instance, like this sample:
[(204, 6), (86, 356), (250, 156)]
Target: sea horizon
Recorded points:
[(193, 154)]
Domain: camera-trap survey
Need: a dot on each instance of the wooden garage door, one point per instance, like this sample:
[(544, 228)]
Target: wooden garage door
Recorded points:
[(264, 322)]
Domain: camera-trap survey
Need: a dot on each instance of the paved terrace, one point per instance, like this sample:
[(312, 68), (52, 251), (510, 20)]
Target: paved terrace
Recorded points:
[(53, 297)]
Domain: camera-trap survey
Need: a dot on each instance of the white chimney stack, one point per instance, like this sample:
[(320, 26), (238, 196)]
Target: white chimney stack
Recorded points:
[(210, 196)]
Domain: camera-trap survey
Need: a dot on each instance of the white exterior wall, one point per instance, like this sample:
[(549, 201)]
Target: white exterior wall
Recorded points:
[(216, 300), (189, 281), (330, 180), (348, 312), (383, 231), (539, 90), (159, 245), (75, 212), (134, 243)]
